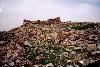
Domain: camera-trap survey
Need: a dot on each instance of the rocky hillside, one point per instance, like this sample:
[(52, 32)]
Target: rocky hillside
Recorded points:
[(50, 43)]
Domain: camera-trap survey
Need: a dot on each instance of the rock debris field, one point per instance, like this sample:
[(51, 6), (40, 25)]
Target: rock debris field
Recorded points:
[(51, 43)]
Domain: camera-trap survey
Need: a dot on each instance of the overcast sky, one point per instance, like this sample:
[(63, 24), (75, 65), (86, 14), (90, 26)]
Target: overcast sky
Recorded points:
[(12, 12)]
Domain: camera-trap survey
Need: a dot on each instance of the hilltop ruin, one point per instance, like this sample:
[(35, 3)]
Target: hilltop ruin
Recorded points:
[(50, 42)]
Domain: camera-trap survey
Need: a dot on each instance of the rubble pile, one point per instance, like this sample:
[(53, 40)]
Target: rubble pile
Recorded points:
[(50, 43)]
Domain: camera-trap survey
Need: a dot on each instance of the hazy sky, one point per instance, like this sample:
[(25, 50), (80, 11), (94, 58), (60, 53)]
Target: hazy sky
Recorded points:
[(12, 12)]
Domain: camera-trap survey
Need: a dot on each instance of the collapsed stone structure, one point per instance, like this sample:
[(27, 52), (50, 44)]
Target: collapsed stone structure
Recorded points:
[(50, 42)]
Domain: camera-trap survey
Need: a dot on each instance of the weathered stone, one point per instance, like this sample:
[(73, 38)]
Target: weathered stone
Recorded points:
[(12, 64), (69, 65), (73, 52), (68, 50), (49, 65), (81, 61), (5, 65), (76, 65), (92, 47), (27, 43), (69, 61), (2, 42), (3, 53), (98, 47), (96, 52), (78, 48)]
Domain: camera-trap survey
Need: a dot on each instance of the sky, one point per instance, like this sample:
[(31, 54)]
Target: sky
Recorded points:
[(12, 12)]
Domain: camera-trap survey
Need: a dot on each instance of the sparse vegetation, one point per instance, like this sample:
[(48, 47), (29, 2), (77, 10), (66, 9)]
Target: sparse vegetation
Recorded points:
[(48, 54), (83, 26)]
